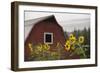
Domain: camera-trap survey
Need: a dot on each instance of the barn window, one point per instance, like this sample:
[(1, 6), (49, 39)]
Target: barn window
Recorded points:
[(48, 38)]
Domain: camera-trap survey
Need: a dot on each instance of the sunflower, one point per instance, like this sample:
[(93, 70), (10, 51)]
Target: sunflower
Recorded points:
[(46, 46), (67, 45), (72, 40), (30, 47), (39, 47), (67, 42), (71, 36), (81, 39)]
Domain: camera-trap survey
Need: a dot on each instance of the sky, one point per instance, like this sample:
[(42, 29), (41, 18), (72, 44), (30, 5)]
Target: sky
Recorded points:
[(69, 21)]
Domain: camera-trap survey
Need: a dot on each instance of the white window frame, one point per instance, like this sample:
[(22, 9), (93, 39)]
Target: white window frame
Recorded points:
[(51, 37)]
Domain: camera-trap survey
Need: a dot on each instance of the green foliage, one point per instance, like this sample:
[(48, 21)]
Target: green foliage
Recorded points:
[(80, 51)]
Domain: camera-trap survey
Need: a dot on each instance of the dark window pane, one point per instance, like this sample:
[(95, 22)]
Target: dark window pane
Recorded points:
[(48, 37)]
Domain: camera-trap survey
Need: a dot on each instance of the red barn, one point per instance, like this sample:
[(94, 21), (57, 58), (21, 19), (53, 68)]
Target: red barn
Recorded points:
[(44, 30)]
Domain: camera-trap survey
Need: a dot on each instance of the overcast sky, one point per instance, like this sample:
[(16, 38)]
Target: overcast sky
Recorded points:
[(69, 21)]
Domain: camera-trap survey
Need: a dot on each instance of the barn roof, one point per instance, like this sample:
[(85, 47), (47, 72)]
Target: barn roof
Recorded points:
[(29, 24)]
